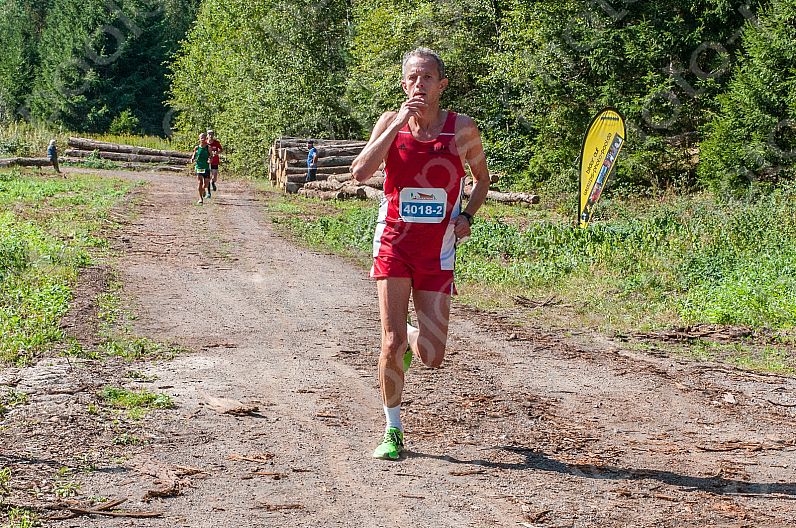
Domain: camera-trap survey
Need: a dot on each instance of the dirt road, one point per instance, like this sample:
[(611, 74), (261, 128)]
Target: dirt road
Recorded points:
[(521, 426)]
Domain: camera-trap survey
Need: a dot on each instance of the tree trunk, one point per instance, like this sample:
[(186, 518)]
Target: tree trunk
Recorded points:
[(331, 161), (322, 195), (120, 156), (291, 169), (293, 188), (324, 185), (342, 177), (507, 197), (377, 182), (104, 146), (373, 194), (300, 153), (25, 162)]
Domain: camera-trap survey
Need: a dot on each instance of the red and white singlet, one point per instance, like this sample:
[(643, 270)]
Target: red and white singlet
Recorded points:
[(423, 186)]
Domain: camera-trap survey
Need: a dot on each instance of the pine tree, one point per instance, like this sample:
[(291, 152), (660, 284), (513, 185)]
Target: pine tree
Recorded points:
[(753, 138)]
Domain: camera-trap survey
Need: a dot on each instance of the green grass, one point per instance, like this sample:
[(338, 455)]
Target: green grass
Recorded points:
[(646, 264), (5, 480), (22, 518), (10, 399), (116, 332), (745, 355), (49, 229), (136, 403), (94, 161)]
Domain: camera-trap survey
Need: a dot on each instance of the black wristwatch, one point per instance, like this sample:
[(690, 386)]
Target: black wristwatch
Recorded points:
[(468, 216)]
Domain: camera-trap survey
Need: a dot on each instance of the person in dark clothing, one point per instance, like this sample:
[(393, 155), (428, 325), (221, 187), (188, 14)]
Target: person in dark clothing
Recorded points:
[(312, 162), (52, 155)]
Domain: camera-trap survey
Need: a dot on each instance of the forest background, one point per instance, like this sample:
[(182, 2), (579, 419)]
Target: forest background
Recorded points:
[(708, 86)]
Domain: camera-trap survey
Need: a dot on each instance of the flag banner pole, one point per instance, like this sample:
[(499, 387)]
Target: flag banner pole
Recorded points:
[(604, 140)]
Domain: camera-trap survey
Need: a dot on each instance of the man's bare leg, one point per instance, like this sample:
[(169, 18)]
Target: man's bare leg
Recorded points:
[(430, 338), (393, 306)]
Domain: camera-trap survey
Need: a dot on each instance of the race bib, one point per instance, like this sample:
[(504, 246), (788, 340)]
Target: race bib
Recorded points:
[(423, 206)]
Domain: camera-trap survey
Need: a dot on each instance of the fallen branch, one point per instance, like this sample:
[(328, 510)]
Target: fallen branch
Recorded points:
[(278, 507), (468, 472), (75, 509)]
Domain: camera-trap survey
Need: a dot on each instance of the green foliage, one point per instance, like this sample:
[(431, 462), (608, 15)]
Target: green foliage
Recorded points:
[(135, 348), (20, 23), (19, 138), (22, 518), (5, 480), (676, 262), (95, 161), (47, 232), (136, 403), (124, 123), (753, 138), (10, 399), (256, 70), (463, 31), (559, 62), (87, 61)]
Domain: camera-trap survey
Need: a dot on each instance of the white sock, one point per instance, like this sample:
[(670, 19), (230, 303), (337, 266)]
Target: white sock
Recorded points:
[(393, 415)]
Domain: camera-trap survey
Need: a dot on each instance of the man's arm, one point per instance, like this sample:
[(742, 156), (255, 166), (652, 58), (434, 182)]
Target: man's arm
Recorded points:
[(381, 138), (374, 153), (193, 156), (468, 138)]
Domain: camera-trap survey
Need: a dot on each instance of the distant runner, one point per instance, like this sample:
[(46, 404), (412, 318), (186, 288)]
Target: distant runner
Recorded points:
[(201, 156), (424, 150), (215, 159)]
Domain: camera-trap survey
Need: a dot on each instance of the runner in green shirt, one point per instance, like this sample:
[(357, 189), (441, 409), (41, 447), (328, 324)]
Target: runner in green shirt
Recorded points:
[(201, 158)]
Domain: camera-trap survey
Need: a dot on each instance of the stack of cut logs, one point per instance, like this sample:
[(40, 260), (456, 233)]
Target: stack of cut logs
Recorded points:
[(288, 171), (84, 148), (288, 161)]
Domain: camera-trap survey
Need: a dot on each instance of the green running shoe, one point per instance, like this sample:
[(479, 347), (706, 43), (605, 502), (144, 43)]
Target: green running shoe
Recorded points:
[(391, 446), (408, 354), (407, 358)]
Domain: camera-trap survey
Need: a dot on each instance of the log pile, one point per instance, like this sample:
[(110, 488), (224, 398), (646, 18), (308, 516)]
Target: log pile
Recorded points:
[(84, 148), (287, 166), (288, 170)]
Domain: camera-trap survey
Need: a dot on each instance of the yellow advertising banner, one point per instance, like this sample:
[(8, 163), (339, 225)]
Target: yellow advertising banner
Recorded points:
[(601, 147)]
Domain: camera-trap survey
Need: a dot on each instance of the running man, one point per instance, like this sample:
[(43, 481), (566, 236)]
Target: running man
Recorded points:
[(201, 158), (312, 162), (215, 159), (420, 219)]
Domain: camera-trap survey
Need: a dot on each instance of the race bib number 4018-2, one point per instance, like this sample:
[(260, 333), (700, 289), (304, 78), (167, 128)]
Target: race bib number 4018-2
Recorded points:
[(423, 206)]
